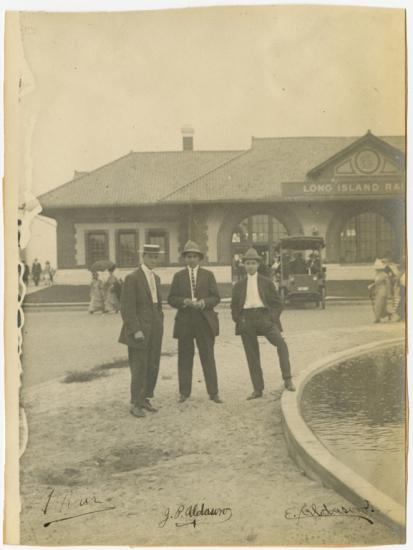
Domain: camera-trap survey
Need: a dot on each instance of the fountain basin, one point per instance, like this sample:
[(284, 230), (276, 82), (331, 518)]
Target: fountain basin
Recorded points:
[(316, 455)]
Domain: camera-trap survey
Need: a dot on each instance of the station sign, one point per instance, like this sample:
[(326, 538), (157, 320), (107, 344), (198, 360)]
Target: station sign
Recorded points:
[(339, 189)]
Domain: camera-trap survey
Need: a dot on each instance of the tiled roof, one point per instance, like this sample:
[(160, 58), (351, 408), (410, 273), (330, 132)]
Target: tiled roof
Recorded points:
[(259, 173), (135, 179), (192, 176)]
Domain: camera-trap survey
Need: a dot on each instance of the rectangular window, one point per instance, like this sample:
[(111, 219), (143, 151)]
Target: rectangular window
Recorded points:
[(160, 237), (97, 246), (126, 250)]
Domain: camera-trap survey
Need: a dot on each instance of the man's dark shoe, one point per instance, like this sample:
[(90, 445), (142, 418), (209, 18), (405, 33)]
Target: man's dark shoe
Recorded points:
[(148, 406), (289, 385), (215, 398), (183, 398), (137, 411), (254, 395)]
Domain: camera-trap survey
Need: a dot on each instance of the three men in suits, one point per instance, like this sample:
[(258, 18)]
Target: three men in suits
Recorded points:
[(256, 309), (142, 330), (194, 293)]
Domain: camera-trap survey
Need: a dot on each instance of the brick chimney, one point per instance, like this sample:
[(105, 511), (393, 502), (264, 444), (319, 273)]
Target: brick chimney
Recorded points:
[(187, 138)]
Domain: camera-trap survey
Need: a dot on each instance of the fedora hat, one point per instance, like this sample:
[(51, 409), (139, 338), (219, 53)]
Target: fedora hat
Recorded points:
[(251, 254), (191, 246)]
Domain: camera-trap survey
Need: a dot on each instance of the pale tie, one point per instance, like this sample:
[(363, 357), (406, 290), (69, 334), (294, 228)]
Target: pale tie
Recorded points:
[(153, 287)]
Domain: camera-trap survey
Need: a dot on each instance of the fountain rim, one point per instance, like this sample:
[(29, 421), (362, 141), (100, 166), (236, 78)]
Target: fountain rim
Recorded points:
[(317, 461)]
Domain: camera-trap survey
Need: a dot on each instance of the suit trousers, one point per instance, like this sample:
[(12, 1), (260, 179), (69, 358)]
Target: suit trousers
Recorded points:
[(144, 364), (258, 322), (200, 332)]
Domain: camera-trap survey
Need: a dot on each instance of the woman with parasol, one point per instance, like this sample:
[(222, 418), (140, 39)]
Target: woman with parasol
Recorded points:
[(111, 291)]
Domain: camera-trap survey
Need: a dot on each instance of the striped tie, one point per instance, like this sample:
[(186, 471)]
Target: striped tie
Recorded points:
[(193, 285)]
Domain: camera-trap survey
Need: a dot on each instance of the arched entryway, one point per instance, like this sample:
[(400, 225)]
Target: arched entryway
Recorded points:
[(261, 231), (365, 237), (255, 230), (358, 235)]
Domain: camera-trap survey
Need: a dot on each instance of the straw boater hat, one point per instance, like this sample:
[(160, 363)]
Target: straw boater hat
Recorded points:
[(155, 248), (191, 246), (251, 254), (379, 265)]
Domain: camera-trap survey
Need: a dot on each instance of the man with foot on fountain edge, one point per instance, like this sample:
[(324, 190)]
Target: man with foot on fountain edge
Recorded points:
[(256, 308)]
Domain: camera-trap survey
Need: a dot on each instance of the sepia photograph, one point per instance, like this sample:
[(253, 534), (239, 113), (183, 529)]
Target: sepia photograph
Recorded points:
[(205, 228)]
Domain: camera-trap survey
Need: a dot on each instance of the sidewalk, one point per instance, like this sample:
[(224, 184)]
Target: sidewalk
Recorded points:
[(84, 442)]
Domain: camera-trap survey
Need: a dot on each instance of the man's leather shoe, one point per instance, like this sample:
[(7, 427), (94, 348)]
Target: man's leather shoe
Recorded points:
[(137, 411), (215, 398), (289, 385), (254, 395), (147, 406), (183, 398)]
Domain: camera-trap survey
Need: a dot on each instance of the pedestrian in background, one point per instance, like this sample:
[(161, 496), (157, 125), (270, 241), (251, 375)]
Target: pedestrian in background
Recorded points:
[(380, 292), (142, 329), (97, 301), (111, 292), (48, 274), (393, 272), (36, 271)]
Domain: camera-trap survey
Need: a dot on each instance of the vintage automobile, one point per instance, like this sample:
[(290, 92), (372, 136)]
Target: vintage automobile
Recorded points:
[(300, 275)]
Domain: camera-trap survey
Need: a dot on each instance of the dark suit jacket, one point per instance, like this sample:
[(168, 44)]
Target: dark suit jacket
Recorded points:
[(268, 295), (137, 311), (206, 289)]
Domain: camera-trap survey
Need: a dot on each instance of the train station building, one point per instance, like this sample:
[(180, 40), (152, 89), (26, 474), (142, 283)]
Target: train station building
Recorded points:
[(349, 190)]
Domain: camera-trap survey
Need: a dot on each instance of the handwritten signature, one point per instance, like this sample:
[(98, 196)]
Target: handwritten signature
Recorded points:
[(325, 511), (70, 503), (195, 514)]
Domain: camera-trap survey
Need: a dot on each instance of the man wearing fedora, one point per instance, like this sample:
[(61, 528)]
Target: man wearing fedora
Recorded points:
[(256, 309), (142, 330), (194, 293)]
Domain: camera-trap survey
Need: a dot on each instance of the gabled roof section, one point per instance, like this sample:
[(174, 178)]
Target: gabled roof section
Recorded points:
[(368, 140), (180, 177), (259, 172), (135, 179)]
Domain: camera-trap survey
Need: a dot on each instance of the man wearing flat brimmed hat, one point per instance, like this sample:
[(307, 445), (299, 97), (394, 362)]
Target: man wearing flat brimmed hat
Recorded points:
[(142, 330), (194, 293), (256, 309)]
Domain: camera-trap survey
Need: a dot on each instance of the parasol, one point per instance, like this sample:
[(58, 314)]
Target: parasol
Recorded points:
[(102, 265)]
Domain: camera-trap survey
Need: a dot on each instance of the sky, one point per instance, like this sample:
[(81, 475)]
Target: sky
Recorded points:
[(96, 86)]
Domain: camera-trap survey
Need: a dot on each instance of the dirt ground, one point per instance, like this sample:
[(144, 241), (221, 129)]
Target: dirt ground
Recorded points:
[(134, 480)]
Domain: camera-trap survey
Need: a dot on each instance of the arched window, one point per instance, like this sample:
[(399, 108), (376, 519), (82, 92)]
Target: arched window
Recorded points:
[(260, 231), (366, 237)]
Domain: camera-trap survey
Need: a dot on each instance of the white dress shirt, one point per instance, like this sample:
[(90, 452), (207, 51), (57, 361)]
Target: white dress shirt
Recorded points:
[(195, 272), (252, 299), (150, 277)]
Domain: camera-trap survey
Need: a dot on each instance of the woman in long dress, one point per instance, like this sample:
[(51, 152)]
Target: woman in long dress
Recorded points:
[(112, 304), (97, 301), (380, 292), (48, 273)]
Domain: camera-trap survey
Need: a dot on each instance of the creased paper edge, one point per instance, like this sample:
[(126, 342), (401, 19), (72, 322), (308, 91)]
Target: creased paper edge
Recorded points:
[(18, 82)]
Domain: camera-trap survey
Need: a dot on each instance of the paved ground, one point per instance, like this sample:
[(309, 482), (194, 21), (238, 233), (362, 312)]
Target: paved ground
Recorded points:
[(84, 444)]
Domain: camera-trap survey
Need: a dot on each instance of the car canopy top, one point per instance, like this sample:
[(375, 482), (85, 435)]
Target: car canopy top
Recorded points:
[(300, 242)]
